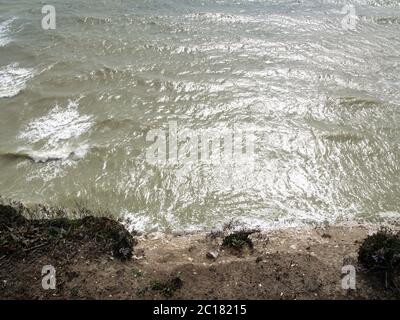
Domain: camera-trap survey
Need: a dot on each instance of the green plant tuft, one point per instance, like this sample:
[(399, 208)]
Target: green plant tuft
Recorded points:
[(168, 287), (380, 254), (238, 240)]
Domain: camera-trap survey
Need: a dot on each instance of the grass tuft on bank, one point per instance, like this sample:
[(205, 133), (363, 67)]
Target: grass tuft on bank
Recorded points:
[(167, 288)]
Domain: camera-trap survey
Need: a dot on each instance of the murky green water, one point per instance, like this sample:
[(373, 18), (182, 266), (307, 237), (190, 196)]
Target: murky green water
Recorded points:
[(77, 105)]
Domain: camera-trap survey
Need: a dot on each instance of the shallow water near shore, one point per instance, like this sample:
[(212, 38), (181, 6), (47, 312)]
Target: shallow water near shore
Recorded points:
[(78, 103)]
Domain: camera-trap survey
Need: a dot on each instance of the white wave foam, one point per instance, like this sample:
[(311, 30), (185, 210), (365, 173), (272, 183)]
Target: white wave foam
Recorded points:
[(5, 32), (13, 80), (389, 215), (138, 222), (223, 18), (60, 125), (59, 135)]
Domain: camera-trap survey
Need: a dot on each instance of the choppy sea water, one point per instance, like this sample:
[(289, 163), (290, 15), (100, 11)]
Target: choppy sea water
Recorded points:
[(79, 104)]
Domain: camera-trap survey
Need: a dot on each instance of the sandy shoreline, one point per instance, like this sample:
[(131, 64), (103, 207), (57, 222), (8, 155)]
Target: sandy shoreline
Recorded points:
[(281, 264)]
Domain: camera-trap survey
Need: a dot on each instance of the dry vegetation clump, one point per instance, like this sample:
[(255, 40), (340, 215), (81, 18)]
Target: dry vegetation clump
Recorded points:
[(95, 235)]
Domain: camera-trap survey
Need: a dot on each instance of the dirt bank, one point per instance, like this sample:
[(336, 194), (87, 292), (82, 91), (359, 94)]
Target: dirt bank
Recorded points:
[(96, 258)]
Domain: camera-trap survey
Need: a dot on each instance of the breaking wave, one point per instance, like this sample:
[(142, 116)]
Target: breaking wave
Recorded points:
[(58, 133), (5, 32), (13, 80)]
